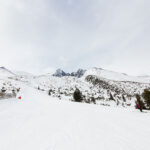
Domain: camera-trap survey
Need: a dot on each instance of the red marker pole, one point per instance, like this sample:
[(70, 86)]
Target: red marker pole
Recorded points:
[(19, 97)]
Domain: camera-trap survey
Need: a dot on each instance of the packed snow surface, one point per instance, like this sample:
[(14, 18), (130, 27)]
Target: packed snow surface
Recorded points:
[(40, 122)]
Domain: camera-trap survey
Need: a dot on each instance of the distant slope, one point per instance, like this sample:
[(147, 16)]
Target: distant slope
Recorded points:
[(5, 72), (111, 75), (22, 73)]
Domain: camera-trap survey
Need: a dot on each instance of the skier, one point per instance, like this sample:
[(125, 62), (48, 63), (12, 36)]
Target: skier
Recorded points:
[(138, 106)]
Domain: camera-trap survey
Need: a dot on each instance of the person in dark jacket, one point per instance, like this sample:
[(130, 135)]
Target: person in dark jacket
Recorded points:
[(138, 106)]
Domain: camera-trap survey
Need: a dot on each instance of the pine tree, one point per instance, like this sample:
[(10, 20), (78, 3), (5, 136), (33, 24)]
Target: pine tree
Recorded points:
[(124, 99), (93, 100), (111, 97), (49, 92), (146, 96), (139, 101), (3, 90), (77, 95)]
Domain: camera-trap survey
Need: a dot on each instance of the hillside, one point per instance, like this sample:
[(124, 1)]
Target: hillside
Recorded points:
[(97, 83), (45, 118), (106, 87), (111, 75), (4, 73)]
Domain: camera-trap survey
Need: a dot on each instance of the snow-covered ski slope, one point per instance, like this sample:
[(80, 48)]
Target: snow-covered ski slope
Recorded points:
[(40, 122)]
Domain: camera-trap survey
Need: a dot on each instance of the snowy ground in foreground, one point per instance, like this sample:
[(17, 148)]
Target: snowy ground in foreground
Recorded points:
[(39, 122)]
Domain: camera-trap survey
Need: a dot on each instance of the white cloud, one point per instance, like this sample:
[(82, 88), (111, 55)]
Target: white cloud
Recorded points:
[(39, 34), (70, 2)]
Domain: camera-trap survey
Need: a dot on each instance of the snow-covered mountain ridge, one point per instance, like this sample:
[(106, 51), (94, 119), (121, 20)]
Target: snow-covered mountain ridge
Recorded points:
[(5, 72), (107, 87), (111, 75), (102, 73)]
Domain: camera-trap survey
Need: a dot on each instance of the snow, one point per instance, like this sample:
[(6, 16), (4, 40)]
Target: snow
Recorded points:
[(22, 73), (41, 122), (111, 75), (5, 73), (63, 87)]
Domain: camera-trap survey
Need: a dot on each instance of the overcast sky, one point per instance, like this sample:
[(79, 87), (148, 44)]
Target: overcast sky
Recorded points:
[(40, 35)]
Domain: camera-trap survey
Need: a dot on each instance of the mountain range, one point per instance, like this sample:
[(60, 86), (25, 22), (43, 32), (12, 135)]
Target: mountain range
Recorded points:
[(106, 87)]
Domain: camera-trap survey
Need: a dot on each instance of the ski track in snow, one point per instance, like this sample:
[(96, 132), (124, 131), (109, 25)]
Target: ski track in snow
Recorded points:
[(40, 122)]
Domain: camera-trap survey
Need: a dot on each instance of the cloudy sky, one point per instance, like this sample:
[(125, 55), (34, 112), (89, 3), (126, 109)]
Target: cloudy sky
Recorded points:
[(40, 35)]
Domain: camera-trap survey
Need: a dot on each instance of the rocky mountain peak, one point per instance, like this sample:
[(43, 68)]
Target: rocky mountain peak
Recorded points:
[(60, 73)]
